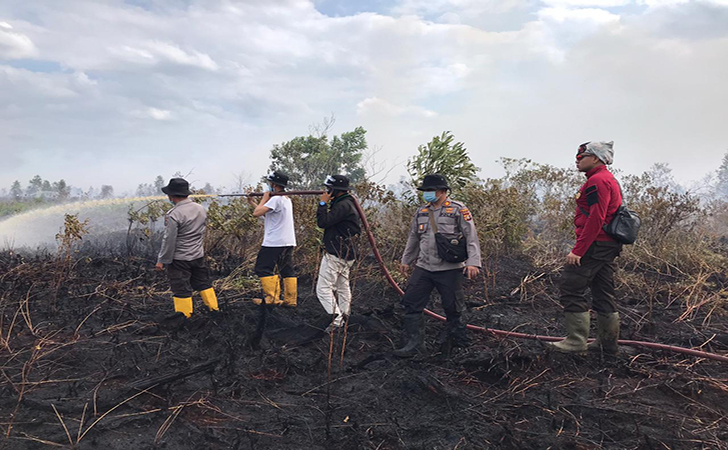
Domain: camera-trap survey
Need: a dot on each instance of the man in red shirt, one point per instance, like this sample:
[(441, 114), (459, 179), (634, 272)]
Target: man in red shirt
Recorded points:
[(590, 264)]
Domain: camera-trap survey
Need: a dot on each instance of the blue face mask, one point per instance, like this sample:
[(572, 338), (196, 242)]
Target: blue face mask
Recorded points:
[(429, 196), (271, 188)]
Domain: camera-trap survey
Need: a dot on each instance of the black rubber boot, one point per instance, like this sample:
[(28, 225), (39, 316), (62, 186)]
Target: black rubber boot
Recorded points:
[(455, 331), (459, 334), (412, 329)]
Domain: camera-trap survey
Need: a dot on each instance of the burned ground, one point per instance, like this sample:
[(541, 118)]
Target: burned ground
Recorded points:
[(89, 360)]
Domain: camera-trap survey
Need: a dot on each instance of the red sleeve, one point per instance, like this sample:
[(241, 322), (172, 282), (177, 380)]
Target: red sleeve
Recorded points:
[(598, 197)]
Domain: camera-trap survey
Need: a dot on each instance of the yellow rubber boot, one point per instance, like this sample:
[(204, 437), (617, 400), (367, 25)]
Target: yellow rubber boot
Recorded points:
[(277, 295), (209, 299), (271, 289), (183, 305), (290, 292)]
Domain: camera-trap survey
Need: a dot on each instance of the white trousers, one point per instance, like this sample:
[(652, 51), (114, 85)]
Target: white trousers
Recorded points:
[(332, 288)]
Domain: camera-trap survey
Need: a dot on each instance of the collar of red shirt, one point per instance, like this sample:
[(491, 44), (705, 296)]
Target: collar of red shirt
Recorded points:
[(596, 170)]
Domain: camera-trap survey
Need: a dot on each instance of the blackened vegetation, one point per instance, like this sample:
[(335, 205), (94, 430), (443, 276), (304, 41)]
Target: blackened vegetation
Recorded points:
[(104, 366)]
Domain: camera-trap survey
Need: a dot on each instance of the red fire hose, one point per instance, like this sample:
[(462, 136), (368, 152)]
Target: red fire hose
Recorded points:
[(511, 334)]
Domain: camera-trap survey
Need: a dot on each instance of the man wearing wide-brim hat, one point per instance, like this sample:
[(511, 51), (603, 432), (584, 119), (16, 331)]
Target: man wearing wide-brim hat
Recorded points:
[(338, 216), (439, 263), (182, 252)]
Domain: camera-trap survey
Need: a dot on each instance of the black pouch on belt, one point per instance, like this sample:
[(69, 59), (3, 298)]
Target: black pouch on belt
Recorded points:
[(450, 249)]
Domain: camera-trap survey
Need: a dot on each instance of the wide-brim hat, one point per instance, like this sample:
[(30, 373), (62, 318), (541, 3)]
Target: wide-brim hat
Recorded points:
[(278, 177), (433, 183), (338, 183), (178, 187)]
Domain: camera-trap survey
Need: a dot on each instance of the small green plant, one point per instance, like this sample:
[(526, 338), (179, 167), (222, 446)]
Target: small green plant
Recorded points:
[(72, 232)]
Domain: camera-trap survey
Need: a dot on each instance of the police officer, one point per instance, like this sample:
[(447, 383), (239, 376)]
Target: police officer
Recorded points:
[(182, 252), (337, 215), (452, 219), (590, 264)]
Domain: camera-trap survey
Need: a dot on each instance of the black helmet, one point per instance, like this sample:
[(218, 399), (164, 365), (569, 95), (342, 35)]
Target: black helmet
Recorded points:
[(278, 177), (337, 183), (433, 183), (179, 187)]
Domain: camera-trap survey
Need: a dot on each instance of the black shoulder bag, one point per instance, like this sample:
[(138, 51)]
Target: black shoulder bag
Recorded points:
[(624, 225), (454, 250)]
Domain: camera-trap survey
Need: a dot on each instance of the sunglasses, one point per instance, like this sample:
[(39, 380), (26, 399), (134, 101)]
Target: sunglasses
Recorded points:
[(582, 153)]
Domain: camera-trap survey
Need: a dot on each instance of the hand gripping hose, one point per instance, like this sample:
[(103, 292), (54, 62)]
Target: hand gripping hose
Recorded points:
[(511, 334)]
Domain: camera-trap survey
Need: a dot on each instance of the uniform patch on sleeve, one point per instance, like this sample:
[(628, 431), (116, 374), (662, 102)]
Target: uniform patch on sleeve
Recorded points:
[(466, 214), (592, 196), (166, 220)]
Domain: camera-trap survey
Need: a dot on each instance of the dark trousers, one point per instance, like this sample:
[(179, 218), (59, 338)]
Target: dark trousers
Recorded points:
[(449, 283), (269, 257), (187, 276), (596, 272)]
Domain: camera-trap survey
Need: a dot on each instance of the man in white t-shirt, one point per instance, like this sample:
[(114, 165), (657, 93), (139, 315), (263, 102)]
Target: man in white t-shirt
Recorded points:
[(278, 244)]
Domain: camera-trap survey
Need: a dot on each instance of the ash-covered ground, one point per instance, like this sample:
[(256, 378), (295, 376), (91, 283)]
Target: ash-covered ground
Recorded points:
[(89, 360)]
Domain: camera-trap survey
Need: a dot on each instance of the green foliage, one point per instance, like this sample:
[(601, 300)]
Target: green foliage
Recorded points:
[(151, 189), (722, 185), (234, 218), (442, 156), (107, 191), (17, 207), (35, 185), (72, 232), (16, 192), (63, 189), (308, 160)]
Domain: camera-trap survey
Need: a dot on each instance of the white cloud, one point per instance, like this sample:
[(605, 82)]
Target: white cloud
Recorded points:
[(586, 3), (14, 45), (152, 113), (237, 77), (588, 15), (378, 106)]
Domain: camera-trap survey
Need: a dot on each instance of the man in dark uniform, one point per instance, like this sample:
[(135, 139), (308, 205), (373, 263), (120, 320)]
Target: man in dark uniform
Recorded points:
[(452, 219), (590, 264), (182, 252), (337, 215)]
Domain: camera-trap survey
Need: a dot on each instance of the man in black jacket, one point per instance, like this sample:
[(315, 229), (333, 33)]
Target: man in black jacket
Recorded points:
[(337, 215)]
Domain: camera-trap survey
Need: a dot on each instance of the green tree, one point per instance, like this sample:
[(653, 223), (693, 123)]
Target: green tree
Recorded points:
[(107, 191), (444, 156), (16, 191), (308, 160), (46, 187), (722, 185), (63, 189), (35, 185), (158, 185)]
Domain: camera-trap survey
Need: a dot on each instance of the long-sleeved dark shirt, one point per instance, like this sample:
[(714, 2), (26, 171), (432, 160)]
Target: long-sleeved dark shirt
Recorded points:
[(341, 224), (600, 197)]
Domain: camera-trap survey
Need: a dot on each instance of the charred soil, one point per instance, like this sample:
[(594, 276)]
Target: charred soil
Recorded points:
[(90, 358)]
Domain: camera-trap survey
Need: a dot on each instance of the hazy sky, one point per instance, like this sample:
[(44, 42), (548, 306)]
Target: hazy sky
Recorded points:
[(118, 91)]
